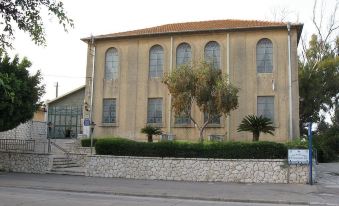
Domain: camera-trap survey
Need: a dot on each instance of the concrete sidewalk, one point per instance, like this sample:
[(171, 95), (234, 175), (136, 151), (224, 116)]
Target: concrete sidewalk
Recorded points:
[(256, 193)]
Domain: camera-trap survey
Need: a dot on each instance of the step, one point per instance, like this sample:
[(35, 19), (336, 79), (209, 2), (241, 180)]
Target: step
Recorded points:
[(65, 166), (62, 161), (79, 171), (61, 158)]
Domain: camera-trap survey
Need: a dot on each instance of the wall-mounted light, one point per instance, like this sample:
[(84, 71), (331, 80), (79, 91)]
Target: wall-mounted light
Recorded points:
[(86, 107)]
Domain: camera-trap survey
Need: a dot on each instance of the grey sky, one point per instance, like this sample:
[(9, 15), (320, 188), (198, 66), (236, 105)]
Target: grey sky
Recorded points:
[(64, 58)]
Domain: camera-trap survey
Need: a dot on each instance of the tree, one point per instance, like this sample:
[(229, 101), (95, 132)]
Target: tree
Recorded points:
[(26, 16), (204, 86), (150, 131), (256, 125), (19, 92), (318, 86), (319, 69)]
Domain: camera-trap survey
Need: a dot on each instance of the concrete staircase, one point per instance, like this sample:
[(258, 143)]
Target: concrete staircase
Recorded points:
[(65, 166)]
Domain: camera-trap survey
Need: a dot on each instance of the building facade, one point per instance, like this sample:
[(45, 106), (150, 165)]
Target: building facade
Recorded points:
[(65, 114), (127, 68)]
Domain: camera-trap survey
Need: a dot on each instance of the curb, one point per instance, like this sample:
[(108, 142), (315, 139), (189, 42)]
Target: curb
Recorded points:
[(164, 196)]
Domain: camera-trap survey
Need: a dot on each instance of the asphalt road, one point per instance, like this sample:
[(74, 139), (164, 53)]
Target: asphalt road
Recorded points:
[(34, 197)]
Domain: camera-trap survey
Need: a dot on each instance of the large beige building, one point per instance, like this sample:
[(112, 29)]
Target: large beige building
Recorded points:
[(127, 68)]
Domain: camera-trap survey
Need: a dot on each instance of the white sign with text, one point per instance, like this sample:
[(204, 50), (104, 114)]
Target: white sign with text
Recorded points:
[(298, 156)]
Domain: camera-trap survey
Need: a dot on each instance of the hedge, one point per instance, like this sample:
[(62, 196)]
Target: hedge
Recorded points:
[(224, 150), (86, 142)]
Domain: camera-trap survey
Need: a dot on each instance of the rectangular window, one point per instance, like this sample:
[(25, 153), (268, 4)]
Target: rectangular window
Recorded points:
[(109, 114), (265, 107), (182, 120), (214, 120), (154, 111)]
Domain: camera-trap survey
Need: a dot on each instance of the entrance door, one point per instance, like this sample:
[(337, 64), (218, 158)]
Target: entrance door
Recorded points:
[(65, 121)]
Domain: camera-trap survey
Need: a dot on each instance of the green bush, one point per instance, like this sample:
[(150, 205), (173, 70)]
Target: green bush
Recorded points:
[(86, 142), (327, 146), (223, 150), (297, 144)]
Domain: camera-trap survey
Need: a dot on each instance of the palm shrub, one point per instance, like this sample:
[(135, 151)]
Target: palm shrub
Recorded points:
[(150, 131), (255, 124)]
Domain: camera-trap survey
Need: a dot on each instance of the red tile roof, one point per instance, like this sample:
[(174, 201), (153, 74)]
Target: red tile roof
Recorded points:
[(201, 26)]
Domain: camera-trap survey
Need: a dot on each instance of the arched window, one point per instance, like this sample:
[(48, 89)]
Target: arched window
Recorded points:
[(111, 64), (264, 56), (184, 54), (156, 61), (212, 54)]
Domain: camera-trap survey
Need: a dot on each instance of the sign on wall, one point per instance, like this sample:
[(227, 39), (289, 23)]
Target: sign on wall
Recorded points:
[(87, 122), (298, 156)]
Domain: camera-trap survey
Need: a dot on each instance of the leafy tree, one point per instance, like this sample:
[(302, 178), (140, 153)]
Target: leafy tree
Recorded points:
[(318, 82), (256, 125), (319, 68), (26, 15), (150, 131), (204, 86), (19, 92)]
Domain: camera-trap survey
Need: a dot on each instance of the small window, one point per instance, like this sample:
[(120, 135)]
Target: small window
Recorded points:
[(111, 64), (182, 119), (212, 54), (214, 120), (109, 114), (154, 111), (264, 56), (184, 54), (156, 61), (265, 107)]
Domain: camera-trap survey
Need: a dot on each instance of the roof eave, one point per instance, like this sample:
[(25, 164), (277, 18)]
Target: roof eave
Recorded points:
[(66, 94), (297, 26)]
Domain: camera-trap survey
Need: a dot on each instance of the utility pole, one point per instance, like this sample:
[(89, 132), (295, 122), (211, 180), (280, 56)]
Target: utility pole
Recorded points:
[(56, 89)]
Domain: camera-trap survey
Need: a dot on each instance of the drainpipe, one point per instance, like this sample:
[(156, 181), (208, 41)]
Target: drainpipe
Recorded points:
[(289, 81), (170, 96), (92, 83), (228, 119)]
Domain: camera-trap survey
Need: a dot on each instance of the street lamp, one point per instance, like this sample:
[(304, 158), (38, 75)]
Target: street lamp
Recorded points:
[(91, 135)]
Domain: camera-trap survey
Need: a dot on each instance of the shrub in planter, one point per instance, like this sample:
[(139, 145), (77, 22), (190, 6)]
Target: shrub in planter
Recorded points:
[(86, 142), (224, 150), (297, 144)]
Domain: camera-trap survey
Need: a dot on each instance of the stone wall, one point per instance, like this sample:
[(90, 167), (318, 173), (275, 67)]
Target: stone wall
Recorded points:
[(81, 159), (197, 169), (29, 130), (25, 162)]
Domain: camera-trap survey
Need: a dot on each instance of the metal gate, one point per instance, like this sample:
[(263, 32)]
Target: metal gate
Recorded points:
[(64, 121)]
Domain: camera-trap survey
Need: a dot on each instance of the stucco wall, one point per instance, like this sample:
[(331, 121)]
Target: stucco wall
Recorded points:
[(75, 98), (133, 86), (197, 169)]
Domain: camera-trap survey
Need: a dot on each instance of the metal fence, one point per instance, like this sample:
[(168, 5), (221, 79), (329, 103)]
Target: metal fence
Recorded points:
[(17, 145)]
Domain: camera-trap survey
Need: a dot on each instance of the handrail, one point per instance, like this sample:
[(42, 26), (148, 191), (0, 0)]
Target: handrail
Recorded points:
[(17, 145), (60, 148)]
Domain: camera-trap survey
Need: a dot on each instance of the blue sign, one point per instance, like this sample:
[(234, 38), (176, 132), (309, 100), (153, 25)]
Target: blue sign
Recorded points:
[(87, 122)]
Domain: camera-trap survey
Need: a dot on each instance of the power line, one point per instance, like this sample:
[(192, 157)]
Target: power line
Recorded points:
[(63, 76)]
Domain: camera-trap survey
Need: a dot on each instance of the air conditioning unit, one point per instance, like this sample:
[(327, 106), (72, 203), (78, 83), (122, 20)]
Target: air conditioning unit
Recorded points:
[(216, 138), (167, 137)]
